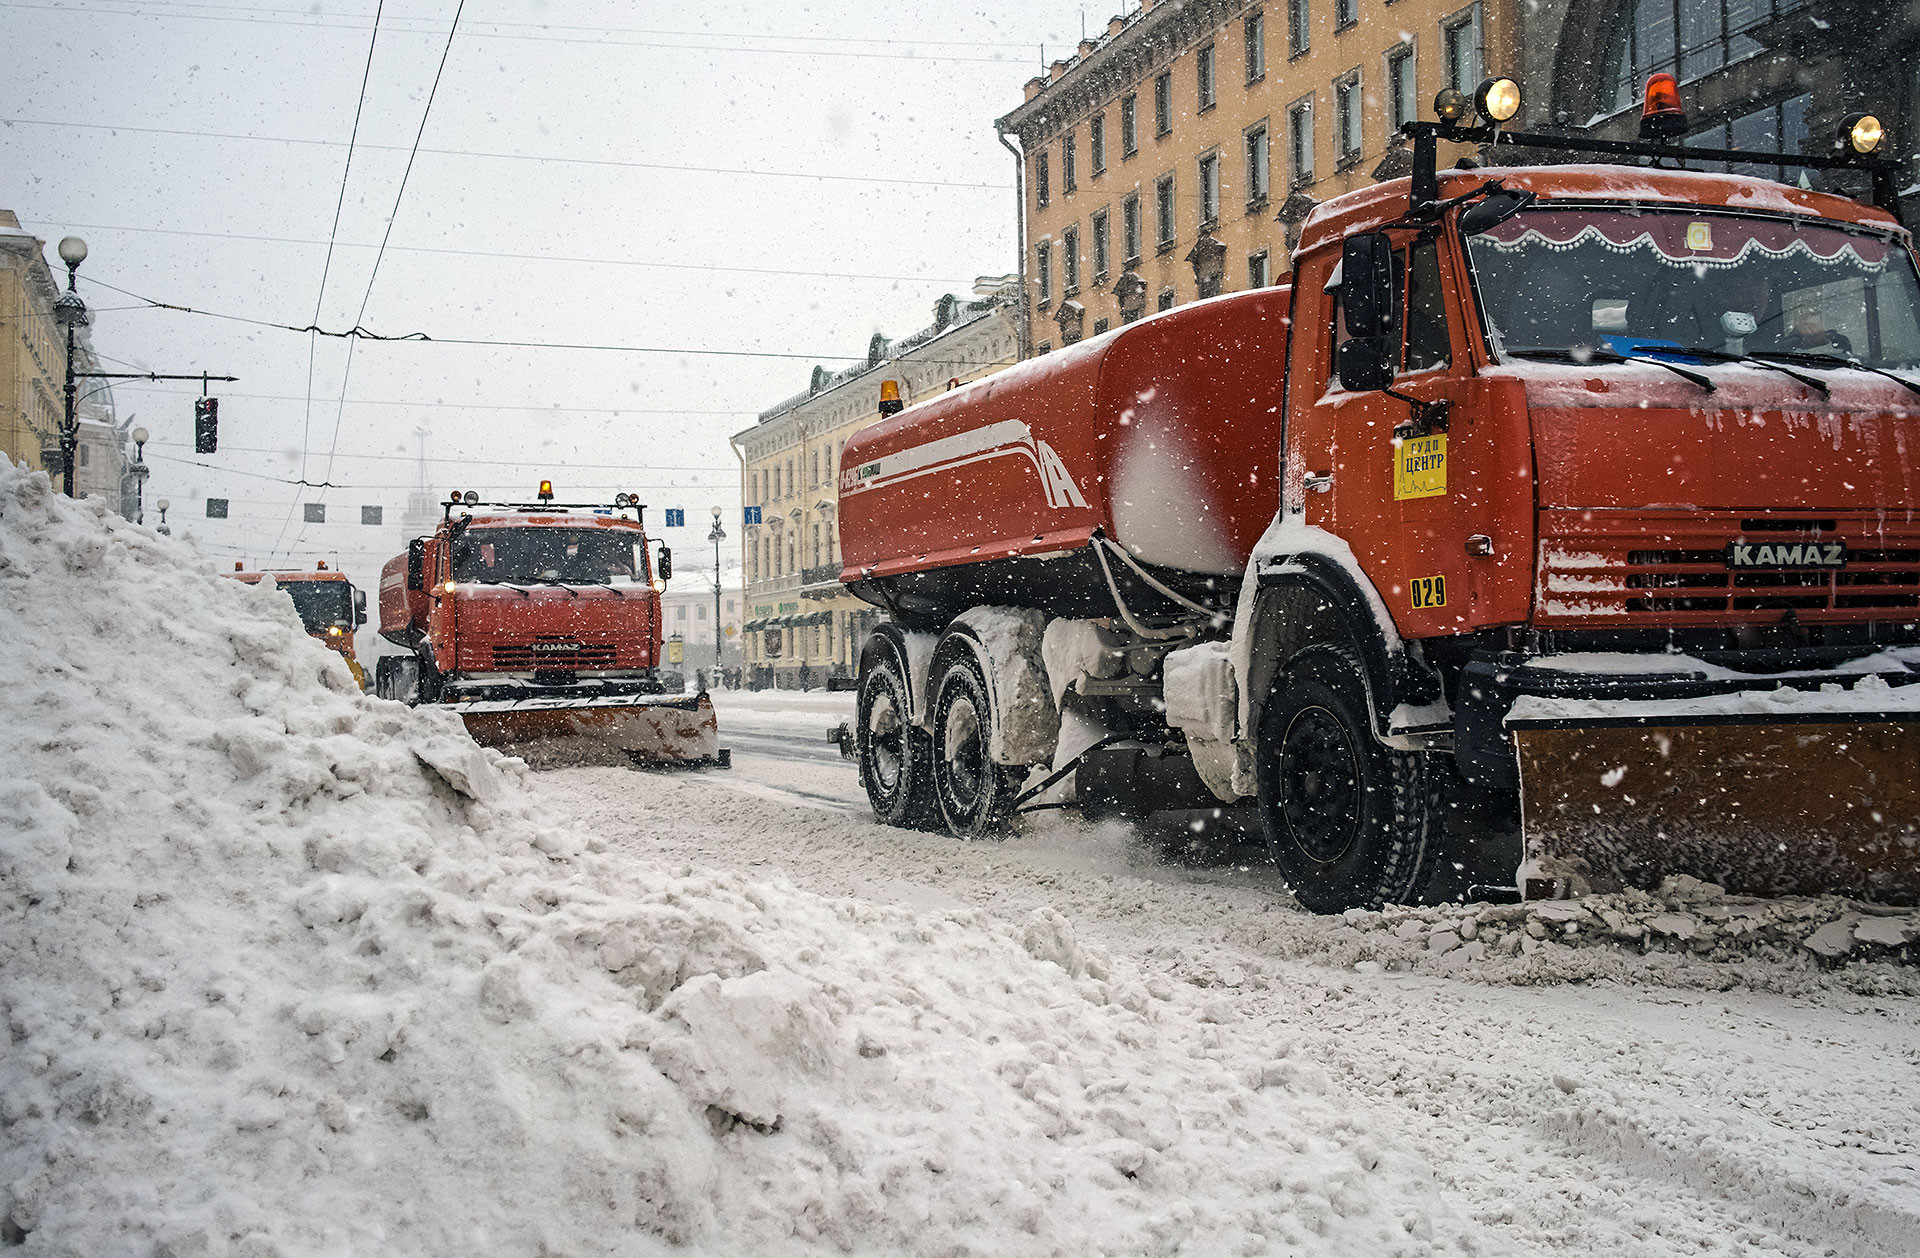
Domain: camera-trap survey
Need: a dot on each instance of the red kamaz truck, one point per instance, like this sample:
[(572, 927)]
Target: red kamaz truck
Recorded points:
[(1559, 520), (539, 623)]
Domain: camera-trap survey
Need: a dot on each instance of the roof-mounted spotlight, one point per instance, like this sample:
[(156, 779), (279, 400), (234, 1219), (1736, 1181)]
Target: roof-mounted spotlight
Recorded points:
[(470, 497), (454, 497), (1497, 100), (1862, 133), (621, 500), (1451, 104)]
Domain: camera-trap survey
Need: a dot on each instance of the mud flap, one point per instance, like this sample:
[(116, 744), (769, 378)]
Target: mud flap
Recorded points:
[(1771, 805), (646, 729)]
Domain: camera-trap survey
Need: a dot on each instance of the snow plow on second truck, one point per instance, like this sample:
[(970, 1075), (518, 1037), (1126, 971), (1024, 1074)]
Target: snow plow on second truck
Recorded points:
[(539, 623), (1552, 527)]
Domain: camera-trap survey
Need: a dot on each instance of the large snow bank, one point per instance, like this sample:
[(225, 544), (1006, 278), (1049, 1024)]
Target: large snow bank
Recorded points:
[(288, 970)]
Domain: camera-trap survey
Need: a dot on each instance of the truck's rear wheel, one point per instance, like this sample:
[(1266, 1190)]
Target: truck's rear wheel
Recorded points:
[(1349, 822), (397, 677), (896, 759), (973, 791)]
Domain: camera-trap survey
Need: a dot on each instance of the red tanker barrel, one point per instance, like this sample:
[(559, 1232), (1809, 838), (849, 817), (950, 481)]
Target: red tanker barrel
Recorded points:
[(1164, 434), (396, 614)]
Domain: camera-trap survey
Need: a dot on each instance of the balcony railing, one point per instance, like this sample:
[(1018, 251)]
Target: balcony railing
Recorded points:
[(820, 580)]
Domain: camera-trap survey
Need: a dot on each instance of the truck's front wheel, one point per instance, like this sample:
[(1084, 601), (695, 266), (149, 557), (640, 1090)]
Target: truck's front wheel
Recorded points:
[(1350, 823), (896, 759)]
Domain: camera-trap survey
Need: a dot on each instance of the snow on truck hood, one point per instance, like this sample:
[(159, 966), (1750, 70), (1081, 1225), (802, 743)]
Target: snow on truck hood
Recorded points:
[(292, 970)]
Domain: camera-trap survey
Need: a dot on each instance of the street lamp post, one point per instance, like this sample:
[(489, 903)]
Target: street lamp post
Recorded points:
[(716, 535), (162, 528), (139, 477), (71, 310)]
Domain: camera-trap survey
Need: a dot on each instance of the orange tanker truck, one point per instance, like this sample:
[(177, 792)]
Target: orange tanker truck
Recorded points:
[(1556, 521), (539, 623), (329, 606)]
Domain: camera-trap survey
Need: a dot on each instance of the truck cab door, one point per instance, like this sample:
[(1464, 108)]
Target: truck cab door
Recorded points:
[(1413, 488)]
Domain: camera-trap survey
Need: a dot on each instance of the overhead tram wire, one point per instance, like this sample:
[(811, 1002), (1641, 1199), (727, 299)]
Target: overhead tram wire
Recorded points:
[(326, 268), (729, 469), (522, 157), (704, 267), (360, 333), (552, 412), (399, 195)]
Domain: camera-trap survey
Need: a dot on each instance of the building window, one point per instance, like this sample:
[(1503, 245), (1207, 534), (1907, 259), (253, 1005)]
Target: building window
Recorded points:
[(1130, 231), (1402, 105), (1069, 172), (1346, 13), (1687, 38), (1163, 205), (1043, 273), (1101, 325), (680, 613), (1256, 29), (1300, 141), (1097, 144), (1163, 103), (1460, 35), (1204, 65), (1259, 270), (1070, 261), (1298, 21), (1129, 125), (1042, 190), (1257, 169), (1102, 247), (1347, 107), (1209, 191), (1166, 299), (700, 612)]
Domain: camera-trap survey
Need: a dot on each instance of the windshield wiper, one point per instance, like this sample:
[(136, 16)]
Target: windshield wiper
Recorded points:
[(1608, 356), (572, 593), (1834, 360), (1722, 356), (496, 581)]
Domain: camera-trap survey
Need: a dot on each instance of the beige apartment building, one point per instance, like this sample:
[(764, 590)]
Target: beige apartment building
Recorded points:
[(1175, 156), (801, 626)]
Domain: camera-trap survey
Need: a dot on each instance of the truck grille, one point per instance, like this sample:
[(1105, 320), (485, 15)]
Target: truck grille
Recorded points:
[(1668, 570), (551, 654)]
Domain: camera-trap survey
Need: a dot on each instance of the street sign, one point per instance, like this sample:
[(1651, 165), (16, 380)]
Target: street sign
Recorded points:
[(316, 512), (676, 652), (752, 515), (370, 515), (676, 517), (216, 508)]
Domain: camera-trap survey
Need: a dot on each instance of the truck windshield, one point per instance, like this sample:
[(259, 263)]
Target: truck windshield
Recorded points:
[(547, 556), (321, 604), (1596, 282)]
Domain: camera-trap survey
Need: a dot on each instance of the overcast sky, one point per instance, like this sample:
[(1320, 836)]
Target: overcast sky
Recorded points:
[(774, 181)]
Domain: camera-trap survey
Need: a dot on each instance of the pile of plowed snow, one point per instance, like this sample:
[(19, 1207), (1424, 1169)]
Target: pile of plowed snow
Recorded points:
[(288, 970)]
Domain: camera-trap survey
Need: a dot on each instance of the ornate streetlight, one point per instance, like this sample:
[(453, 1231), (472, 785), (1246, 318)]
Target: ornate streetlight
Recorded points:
[(162, 529), (71, 310), (716, 535), (139, 477)]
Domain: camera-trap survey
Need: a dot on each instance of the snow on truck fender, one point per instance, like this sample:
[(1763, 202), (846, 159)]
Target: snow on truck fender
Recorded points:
[(1007, 642), (1203, 702)]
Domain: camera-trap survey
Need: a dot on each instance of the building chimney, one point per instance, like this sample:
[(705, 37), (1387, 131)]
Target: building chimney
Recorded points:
[(1035, 86), (1056, 70), (1086, 46), (1116, 24)]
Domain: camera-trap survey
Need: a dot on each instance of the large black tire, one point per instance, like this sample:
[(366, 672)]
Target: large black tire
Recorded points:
[(975, 794), (1350, 823), (397, 677), (895, 758)]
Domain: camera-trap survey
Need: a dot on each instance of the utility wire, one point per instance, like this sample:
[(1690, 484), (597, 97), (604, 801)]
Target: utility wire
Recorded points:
[(520, 157), (707, 267), (556, 464), (561, 412), (326, 268)]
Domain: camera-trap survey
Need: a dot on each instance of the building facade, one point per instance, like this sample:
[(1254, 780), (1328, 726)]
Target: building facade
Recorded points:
[(1175, 157), (688, 609), (801, 627), (1758, 75), (33, 367)]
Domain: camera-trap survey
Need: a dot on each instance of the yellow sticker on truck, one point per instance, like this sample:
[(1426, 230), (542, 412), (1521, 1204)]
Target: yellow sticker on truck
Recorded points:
[(1429, 592), (1420, 467)]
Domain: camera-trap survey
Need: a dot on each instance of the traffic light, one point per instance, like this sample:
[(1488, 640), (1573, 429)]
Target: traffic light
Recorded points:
[(206, 425)]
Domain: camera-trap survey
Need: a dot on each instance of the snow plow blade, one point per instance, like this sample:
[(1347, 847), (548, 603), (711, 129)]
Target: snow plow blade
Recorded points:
[(1807, 804), (646, 729)]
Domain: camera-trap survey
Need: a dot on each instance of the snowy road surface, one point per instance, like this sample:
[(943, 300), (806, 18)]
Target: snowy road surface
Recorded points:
[(1570, 1101)]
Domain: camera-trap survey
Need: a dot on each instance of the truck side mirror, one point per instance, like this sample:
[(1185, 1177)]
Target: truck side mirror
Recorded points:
[(665, 566), (1492, 210), (1366, 285), (1364, 365), (417, 564), (359, 607)]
